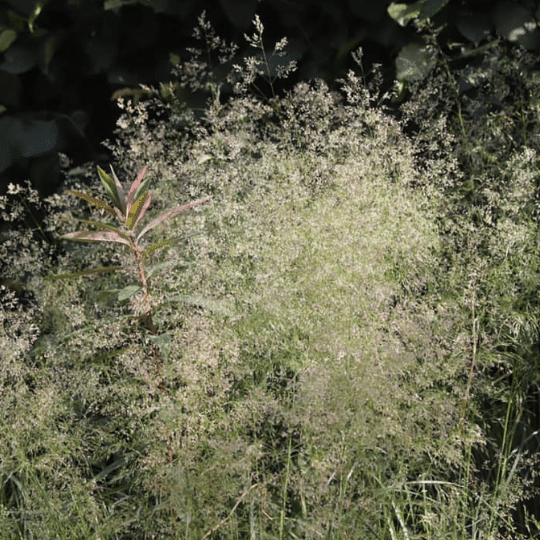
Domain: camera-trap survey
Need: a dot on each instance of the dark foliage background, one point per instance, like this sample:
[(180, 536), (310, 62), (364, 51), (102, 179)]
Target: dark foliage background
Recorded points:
[(63, 63)]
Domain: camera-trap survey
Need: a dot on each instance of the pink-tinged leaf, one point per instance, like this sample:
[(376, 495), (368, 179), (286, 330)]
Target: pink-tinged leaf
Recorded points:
[(170, 213), (92, 200), (86, 273), (133, 189), (98, 225), (98, 236), (141, 204), (128, 292), (119, 192)]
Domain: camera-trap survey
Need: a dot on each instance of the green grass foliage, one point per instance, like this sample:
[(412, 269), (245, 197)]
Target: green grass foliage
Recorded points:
[(340, 352)]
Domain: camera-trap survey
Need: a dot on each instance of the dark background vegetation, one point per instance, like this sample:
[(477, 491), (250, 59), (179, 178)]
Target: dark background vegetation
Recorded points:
[(64, 63)]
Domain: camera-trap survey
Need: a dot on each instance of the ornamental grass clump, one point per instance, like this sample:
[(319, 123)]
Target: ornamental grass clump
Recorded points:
[(129, 212), (337, 357)]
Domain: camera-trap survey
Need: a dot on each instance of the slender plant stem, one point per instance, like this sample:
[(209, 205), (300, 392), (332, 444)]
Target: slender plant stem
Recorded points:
[(148, 314), (473, 359)]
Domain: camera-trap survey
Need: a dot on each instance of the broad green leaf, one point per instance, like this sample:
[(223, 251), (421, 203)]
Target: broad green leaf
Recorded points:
[(128, 292), (92, 200), (517, 23), (475, 28), (403, 14), (16, 21), (431, 8), (170, 213), (97, 236), (7, 37), (415, 62), (110, 187), (89, 272)]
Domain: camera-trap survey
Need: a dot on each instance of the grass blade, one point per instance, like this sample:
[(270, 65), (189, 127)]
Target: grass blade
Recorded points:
[(101, 270)]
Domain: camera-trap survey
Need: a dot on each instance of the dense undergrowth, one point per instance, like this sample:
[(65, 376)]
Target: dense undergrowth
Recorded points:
[(347, 350)]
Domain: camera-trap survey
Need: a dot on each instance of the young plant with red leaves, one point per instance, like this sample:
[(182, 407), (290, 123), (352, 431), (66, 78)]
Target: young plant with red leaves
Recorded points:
[(128, 211)]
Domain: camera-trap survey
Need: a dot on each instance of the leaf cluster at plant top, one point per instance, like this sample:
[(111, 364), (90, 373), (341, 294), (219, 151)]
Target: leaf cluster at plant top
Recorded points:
[(347, 350)]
